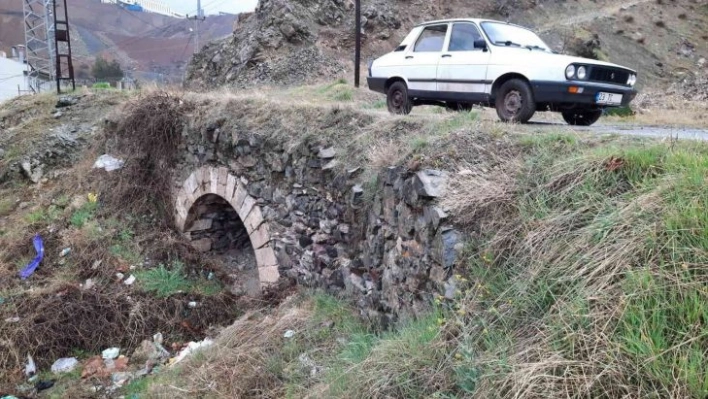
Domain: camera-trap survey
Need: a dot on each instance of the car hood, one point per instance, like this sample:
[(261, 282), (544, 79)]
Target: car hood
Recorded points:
[(563, 59)]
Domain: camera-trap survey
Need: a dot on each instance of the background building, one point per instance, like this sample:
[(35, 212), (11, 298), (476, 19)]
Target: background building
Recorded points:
[(154, 6)]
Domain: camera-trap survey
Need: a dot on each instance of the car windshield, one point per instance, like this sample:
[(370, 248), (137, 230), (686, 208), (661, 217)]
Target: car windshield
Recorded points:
[(502, 34)]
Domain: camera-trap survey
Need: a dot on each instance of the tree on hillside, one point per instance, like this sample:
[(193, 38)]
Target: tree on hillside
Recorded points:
[(107, 71)]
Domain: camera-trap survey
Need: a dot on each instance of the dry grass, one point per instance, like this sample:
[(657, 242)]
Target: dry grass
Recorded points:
[(244, 361), (554, 309), (574, 241), (659, 109)]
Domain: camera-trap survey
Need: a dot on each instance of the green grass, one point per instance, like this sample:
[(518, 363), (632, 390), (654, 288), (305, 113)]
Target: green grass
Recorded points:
[(650, 196), (166, 281), (101, 85), (44, 215), (398, 363), (163, 281), (343, 94), (663, 329), (459, 120), (84, 214), (338, 90), (136, 389)]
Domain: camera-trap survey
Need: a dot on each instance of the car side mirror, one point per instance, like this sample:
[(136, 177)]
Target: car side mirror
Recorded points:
[(480, 43)]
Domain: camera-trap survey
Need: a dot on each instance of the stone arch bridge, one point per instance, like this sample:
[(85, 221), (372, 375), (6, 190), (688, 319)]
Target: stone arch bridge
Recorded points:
[(309, 221)]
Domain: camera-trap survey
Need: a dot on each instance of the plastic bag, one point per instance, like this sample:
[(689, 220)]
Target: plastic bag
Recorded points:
[(32, 266)]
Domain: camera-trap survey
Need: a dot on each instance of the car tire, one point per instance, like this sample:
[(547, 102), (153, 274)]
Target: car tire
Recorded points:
[(458, 107), (397, 99), (581, 118), (514, 101)]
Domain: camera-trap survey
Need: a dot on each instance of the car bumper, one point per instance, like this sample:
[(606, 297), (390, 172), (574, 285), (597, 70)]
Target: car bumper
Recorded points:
[(559, 93), (377, 84)]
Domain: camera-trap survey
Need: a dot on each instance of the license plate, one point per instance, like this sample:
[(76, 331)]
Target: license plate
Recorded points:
[(608, 98)]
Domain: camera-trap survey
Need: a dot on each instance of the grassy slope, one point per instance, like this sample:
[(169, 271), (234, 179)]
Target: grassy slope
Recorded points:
[(584, 275), (591, 284)]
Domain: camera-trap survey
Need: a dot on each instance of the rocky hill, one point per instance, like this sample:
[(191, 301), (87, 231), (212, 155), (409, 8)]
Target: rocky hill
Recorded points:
[(289, 41)]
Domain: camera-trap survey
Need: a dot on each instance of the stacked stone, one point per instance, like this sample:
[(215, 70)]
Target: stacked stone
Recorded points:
[(389, 245)]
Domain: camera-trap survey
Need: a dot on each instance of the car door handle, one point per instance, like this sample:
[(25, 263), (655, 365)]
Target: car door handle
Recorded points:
[(446, 55), (410, 57)]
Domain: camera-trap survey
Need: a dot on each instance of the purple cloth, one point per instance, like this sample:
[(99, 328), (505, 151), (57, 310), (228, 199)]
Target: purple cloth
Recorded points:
[(32, 266)]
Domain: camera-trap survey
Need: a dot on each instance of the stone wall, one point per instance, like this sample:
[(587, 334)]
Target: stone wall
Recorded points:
[(380, 240)]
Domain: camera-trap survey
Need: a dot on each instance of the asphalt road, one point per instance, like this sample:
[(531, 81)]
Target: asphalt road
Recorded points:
[(682, 133)]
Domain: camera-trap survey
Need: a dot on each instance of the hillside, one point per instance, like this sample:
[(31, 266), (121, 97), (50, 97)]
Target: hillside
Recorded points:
[(434, 255), (302, 40), (143, 42)]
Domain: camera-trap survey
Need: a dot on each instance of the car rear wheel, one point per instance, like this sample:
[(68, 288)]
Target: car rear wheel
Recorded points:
[(514, 101), (397, 99), (581, 118)]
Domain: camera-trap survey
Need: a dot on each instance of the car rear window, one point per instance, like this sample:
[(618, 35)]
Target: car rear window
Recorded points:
[(432, 39)]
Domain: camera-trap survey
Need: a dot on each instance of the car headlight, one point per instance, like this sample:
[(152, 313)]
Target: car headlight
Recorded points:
[(570, 71), (632, 79), (582, 72)]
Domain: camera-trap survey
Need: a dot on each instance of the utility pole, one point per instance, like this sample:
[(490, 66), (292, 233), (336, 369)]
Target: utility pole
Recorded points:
[(196, 19), (357, 50), (47, 43), (62, 46)]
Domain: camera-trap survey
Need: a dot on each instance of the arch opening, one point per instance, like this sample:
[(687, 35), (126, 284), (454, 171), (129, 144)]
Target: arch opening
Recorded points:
[(215, 229)]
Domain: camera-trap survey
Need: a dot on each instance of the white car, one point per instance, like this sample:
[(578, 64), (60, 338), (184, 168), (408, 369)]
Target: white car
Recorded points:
[(462, 62)]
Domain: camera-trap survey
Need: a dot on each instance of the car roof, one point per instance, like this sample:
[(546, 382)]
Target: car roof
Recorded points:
[(475, 20)]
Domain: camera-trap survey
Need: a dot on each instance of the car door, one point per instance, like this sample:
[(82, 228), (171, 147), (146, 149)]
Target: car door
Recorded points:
[(462, 70), (421, 60)]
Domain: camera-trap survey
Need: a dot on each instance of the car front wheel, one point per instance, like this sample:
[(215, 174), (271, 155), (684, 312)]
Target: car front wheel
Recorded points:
[(581, 118), (397, 99), (514, 101)]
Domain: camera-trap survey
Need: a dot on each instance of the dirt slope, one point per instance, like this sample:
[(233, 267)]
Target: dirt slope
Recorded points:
[(664, 40)]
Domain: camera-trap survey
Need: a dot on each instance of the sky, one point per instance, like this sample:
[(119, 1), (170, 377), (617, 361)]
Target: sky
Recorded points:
[(212, 6)]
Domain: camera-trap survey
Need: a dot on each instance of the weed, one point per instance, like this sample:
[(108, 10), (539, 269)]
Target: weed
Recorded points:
[(82, 215), (459, 120), (419, 143), (622, 112), (6, 206), (44, 215), (378, 104), (206, 287), (124, 251), (137, 387), (164, 282), (343, 94)]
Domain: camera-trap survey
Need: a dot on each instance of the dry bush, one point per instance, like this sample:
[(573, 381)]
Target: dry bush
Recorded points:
[(55, 324), (384, 154), (148, 136)]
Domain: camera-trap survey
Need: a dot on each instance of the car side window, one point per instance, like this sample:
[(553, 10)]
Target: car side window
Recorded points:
[(431, 39), (463, 37)]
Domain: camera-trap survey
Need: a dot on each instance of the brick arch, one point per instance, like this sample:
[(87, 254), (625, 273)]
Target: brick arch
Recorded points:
[(218, 181)]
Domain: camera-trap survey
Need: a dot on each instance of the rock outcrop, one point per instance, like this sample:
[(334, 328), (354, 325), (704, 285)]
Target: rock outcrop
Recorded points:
[(287, 42)]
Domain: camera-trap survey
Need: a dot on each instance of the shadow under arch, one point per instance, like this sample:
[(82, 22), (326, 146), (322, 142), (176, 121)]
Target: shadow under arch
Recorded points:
[(216, 187)]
